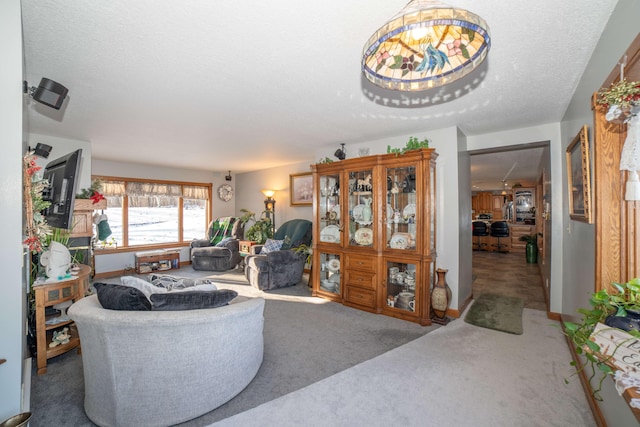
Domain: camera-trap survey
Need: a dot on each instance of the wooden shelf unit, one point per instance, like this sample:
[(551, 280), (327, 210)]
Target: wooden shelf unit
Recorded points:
[(160, 260), (47, 295)]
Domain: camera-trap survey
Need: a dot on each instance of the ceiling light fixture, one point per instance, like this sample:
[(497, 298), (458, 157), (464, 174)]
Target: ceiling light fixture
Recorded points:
[(426, 45)]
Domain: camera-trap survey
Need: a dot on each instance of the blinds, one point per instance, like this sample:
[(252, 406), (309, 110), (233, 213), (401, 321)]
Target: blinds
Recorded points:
[(195, 192)]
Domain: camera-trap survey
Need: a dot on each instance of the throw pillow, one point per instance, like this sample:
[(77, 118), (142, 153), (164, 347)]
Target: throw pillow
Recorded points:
[(223, 242), (142, 285), (119, 297), (192, 300), (271, 246), (203, 287)]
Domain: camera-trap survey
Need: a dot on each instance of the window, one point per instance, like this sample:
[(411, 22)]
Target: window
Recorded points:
[(155, 212)]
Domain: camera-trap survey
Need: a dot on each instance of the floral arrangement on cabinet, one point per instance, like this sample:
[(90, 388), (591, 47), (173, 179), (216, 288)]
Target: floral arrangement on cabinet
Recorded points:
[(622, 99)]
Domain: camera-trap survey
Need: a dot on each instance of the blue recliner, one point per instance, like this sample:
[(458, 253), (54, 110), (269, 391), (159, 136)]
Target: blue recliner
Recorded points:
[(284, 267)]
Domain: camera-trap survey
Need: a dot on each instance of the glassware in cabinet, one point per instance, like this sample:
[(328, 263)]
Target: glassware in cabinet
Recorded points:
[(329, 215), (330, 273), (361, 200), (401, 214), (401, 279)]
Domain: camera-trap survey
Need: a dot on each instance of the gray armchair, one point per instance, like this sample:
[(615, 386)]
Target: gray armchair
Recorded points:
[(284, 267), (220, 251)]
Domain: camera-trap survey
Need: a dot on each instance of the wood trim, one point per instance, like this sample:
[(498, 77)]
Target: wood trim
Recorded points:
[(593, 404)]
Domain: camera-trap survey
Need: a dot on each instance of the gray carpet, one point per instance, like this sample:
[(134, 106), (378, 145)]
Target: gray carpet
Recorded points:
[(459, 375), (306, 340)]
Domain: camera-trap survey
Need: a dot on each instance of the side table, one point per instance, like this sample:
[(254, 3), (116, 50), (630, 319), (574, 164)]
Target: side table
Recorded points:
[(48, 294)]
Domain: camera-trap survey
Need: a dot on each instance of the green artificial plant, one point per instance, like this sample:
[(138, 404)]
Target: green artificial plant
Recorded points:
[(603, 304), (413, 144)]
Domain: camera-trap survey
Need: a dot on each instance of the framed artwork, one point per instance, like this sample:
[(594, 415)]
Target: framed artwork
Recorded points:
[(579, 177), (301, 188)]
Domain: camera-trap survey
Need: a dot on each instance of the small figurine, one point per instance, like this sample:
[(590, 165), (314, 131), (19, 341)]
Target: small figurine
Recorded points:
[(60, 337)]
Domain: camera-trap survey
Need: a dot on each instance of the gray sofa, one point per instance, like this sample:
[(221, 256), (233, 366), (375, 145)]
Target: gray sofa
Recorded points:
[(159, 368)]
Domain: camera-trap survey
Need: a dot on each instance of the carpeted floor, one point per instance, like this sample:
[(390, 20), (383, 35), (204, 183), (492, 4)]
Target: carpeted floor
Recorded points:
[(459, 375), (306, 340)]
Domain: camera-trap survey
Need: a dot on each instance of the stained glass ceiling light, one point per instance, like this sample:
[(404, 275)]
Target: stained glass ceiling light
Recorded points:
[(426, 45)]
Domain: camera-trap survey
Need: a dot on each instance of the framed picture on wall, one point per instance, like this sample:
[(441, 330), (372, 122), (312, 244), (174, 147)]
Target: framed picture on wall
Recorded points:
[(579, 177), (301, 188)]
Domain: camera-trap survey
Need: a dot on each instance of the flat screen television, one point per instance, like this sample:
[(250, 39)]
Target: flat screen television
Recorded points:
[(63, 175)]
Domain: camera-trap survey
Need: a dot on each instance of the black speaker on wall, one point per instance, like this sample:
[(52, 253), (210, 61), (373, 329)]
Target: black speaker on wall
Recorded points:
[(48, 92)]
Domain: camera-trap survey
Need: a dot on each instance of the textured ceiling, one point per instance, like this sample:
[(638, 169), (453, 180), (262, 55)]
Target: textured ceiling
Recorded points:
[(235, 85)]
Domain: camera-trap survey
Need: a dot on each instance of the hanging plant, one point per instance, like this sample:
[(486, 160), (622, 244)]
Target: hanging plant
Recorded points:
[(37, 230)]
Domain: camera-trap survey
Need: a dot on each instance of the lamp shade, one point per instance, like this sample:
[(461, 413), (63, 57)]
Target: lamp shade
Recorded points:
[(268, 193), (426, 45)]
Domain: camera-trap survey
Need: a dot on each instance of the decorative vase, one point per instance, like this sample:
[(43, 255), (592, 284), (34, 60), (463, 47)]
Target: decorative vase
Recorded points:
[(366, 211), (440, 298), (532, 253)]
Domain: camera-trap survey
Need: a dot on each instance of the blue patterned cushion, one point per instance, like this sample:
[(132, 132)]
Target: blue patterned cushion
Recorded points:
[(271, 246)]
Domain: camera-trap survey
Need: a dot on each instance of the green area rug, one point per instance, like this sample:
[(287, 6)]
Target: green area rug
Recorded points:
[(497, 312)]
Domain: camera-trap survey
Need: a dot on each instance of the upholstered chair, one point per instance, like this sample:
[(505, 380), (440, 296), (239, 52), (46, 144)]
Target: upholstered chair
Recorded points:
[(220, 251), (283, 267)]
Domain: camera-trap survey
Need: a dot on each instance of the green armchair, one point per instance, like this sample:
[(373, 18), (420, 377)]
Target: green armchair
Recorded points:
[(283, 267)]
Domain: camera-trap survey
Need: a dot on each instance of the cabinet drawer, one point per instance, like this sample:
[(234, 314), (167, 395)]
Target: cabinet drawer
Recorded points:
[(361, 279), (360, 296), (361, 263)]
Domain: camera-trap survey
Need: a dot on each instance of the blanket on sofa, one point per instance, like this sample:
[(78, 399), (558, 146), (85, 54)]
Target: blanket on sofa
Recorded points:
[(221, 228)]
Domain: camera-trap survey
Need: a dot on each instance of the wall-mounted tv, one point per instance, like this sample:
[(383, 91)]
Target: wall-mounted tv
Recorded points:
[(63, 175)]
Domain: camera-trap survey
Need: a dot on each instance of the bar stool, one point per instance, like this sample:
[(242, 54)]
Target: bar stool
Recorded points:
[(479, 230), (500, 229)]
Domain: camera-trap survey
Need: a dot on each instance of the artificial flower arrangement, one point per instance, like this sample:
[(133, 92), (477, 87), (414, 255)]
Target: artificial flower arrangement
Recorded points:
[(622, 99), (92, 192), (37, 230)]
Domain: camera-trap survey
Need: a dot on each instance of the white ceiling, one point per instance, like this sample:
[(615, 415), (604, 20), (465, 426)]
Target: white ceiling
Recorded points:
[(235, 85)]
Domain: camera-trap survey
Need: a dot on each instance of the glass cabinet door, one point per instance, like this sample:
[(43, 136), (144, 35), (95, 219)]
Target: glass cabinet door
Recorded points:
[(524, 202), (361, 208), (329, 208), (330, 273), (401, 285), (400, 212)]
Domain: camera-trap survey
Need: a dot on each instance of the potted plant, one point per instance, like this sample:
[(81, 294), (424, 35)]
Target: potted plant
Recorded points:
[(619, 309), (260, 230), (622, 99), (531, 248)]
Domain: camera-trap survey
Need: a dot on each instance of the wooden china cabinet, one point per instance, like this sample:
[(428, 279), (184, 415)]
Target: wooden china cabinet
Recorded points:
[(374, 233)]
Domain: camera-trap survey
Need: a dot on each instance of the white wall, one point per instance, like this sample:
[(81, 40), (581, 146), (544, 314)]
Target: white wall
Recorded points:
[(250, 196), (465, 251), (13, 288), (118, 261)]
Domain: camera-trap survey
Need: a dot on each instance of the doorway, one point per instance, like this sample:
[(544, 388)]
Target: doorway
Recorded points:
[(499, 171)]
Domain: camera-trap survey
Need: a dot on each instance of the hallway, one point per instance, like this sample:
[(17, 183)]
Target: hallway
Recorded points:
[(508, 274)]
